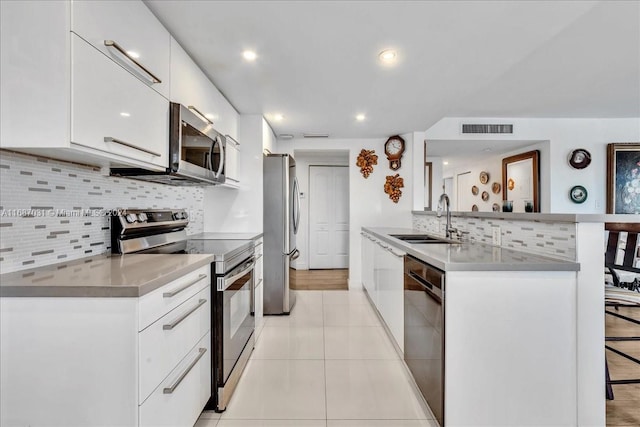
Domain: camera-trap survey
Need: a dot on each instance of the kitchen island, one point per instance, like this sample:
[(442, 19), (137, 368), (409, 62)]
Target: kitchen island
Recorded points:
[(509, 327)]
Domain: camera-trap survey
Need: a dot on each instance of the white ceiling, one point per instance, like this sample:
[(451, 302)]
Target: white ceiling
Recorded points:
[(317, 60)]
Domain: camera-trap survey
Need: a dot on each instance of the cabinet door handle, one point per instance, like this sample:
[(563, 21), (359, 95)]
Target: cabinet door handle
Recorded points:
[(390, 249), (172, 387), (128, 144), (179, 320), (199, 114), (175, 292), (116, 46)]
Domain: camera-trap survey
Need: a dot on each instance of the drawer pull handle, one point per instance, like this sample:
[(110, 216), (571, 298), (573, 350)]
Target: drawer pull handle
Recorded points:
[(128, 144), (171, 389), (188, 285), (200, 115), (390, 249), (258, 284), (179, 320), (258, 257), (116, 46)]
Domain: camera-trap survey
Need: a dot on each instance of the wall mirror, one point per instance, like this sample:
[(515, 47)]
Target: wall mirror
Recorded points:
[(521, 180)]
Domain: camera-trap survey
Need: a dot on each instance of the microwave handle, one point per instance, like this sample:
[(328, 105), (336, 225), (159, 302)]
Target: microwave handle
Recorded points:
[(209, 164), (221, 164)]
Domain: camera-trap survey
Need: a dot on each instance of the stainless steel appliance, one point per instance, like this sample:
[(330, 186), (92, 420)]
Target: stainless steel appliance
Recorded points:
[(281, 221), (196, 152), (424, 288), (232, 272)]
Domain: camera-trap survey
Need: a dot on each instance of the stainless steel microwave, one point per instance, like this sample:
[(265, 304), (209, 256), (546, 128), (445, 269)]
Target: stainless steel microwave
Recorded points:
[(196, 152)]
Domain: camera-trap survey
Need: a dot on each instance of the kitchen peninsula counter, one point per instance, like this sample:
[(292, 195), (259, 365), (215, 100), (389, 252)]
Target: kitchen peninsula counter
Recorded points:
[(471, 256), (114, 276)]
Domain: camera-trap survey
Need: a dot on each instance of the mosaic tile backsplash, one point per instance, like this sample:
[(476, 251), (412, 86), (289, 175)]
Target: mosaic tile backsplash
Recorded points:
[(557, 240), (52, 211)]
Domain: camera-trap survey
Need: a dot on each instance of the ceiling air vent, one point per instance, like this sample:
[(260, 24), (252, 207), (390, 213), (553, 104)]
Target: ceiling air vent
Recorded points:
[(315, 135), (486, 128)]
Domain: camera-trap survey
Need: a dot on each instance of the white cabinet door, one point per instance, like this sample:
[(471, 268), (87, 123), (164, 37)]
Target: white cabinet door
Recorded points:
[(192, 88), (232, 163), (133, 28), (114, 113), (367, 264), (389, 288), (34, 75)]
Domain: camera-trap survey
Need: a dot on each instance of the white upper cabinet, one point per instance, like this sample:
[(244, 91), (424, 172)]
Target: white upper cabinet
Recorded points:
[(72, 98), (192, 88), (232, 163), (119, 116), (128, 33)]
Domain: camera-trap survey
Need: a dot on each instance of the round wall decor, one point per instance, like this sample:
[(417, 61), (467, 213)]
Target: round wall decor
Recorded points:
[(474, 190), (579, 158), (484, 177), (485, 196), (495, 188), (474, 208), (578, 194), (495, 207)]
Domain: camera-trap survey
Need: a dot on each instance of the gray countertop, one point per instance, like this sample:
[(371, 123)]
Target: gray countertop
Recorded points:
[(541, 217), (101, 276), (470, 256)]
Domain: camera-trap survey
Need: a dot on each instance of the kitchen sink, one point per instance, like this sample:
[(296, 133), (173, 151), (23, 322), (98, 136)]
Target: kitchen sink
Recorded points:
[(421, 239)]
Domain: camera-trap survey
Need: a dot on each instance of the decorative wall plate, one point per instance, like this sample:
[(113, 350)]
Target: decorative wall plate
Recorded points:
[(485, 196), (579, 158), (511, 184), (496, 207), (496, 187), (474, 208), (578, 194), (474, 190), (484, 177)]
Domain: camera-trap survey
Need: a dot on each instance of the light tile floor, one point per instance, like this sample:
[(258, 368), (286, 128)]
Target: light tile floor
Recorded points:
[(328, 364)]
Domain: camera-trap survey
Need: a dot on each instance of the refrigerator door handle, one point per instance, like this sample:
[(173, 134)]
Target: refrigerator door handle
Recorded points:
[(296, 193), (294, 255)]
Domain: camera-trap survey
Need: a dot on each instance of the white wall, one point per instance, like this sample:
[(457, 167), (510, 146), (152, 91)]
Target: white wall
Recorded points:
[(564, 135), (240, 210), (369, 205), (303, 162)]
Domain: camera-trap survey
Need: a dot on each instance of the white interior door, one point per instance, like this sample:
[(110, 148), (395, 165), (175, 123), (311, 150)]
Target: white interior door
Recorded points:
[(464, 196), (328, 217)]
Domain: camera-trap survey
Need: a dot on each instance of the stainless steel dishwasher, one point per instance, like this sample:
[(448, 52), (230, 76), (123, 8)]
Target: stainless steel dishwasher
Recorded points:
[(424, 330)]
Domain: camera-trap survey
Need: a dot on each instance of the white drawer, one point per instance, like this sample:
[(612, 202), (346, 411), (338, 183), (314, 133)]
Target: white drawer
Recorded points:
[(168, 340), (183, 406), (133, 27), (156, 304)]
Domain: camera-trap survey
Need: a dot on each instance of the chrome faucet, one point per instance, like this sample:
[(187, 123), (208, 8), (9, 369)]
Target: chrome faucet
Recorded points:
[(443, 203)]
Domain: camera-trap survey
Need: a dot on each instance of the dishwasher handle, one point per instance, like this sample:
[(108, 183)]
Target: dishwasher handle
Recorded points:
[(433, 291)]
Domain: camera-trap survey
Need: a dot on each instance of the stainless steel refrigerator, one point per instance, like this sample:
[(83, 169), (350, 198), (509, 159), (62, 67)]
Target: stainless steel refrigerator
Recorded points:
[(281, 221)]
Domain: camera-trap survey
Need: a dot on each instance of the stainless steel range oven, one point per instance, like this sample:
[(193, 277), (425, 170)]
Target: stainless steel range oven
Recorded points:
[(233, 322)]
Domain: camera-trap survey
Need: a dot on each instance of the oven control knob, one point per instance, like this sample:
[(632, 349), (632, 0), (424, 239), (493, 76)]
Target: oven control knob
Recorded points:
[(131, 218), (180, 215), (142, 217)]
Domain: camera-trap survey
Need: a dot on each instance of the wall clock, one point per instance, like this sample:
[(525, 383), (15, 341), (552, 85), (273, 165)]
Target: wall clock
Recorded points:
[(393, 148)]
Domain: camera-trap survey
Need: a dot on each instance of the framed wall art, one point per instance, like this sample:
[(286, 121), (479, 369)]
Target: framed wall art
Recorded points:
[(623, 178)]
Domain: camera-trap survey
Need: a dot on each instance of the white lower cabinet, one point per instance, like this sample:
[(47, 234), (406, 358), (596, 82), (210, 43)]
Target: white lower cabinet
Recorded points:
[(383, 278), (108, 361), (232, 163), (179, 399)]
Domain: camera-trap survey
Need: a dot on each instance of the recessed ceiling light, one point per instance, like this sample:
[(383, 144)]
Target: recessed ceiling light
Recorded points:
[(249, 55), (278, 117), (445, 163), (361, 117), (125, 114), (388, 56)]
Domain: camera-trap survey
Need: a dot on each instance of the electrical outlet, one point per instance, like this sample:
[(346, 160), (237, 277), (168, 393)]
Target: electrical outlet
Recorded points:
[(497, 236)]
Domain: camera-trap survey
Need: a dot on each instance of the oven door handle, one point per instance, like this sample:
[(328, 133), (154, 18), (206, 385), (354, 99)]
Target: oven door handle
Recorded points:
[(225, 282)]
